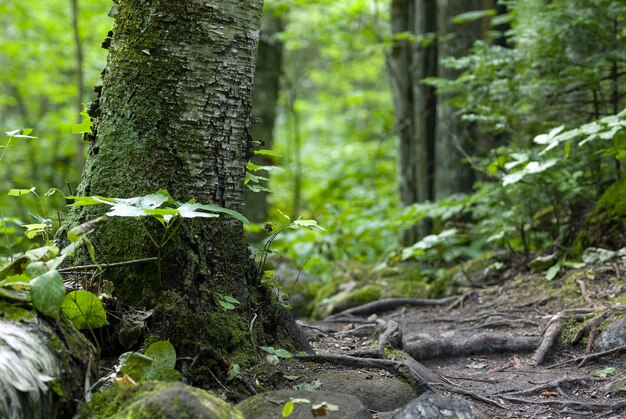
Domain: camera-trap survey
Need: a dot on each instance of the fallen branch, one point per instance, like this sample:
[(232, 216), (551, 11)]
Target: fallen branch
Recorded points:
[(594, 407)]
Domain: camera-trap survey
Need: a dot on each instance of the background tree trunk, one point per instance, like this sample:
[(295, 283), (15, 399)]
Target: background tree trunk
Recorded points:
[(454, 137), (264, 102), (175, 108), (414, 103)]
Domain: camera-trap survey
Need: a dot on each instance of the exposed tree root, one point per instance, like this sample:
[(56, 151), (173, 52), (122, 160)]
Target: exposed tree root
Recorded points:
[(388, 304), (552, 332), (584, 359), (389, 335), (551, 385), (484, 343), (571, 404)]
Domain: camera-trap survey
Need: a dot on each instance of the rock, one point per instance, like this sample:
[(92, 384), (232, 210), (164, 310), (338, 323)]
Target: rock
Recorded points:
[(158, 400), (377, 392), (614, 335), (270, 405), (431, 406)]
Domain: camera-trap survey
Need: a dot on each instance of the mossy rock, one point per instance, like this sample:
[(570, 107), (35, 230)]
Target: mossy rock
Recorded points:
[(270, 405), (157, 400), (606, 223)]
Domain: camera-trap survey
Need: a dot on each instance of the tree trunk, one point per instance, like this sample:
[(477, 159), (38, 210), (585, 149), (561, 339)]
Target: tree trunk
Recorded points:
[(264, 102), (454, 137), (43, 365), (414, 103), (175, 108)]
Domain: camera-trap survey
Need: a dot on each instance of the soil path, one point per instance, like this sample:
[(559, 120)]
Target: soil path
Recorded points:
[(523, 350)]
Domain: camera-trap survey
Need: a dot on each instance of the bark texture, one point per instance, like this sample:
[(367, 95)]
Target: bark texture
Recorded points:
[(43, 365), (174, 113), (454, 137), (414, 103)]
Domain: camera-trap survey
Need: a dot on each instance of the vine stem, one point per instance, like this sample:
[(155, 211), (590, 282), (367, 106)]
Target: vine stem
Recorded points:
[(108, 265)]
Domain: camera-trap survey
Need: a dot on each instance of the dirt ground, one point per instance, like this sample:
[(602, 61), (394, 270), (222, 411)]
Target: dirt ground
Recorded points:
[(523, 349)]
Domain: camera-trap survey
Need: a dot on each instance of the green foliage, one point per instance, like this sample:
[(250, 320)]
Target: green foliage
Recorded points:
[(84, 309), (155, 364)]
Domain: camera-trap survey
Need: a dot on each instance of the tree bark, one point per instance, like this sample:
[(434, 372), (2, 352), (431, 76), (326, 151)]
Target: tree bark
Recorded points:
[(43, 365), (264, 102), (175, 107), (414, 103), (454, 137)]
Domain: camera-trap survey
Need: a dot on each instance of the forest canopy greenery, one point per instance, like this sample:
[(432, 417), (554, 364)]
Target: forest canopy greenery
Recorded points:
[(543, 90)]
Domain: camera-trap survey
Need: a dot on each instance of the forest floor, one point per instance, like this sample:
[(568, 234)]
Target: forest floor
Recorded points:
[(526, 348)]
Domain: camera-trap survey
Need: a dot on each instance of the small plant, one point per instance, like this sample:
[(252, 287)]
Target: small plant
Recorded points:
[(274, 356), (155, 364), (317, 409)]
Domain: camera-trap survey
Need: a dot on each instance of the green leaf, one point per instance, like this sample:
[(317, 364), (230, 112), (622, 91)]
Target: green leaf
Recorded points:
[(47, 293), (134, 364), (603, 373), (233, 372), (20, 133), (84, 126), (473, 15), (225, 305), (553, 271), (84, 309), (163, 374), (268, 349), (311, 224), (288, 409), (230, 299), (20, 192), (190, 210), (124, 210), (272, 359), (152, 201), (81, 201), (268, 153), (281, 353), (162, 353)]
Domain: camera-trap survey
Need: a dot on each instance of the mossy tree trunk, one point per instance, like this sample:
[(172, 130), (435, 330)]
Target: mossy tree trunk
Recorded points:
[(174, 113), (264, 102)]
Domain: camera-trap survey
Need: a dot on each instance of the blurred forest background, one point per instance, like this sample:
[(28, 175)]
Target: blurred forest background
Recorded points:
[(421, 135)]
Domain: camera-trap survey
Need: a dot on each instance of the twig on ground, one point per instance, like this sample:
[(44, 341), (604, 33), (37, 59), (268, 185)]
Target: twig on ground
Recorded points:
[(584, 292)]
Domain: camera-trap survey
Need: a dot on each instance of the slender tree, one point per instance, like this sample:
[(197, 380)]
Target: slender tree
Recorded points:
[(414, 58), (264, 102), (454, 137), (174, 114)]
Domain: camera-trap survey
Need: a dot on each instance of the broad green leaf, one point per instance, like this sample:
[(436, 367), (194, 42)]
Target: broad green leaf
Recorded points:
[(81, 201), (233, 372), (84, 309), (226, 305), (20, 133), (268, 349), (124, 210), (190, 210), (230, 299), (44, 253), (553, 271), (312, 224), (281, 353), (47, 293), (20, 192), (134, 364), (288, 409), (152, 201), (162, 353)]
